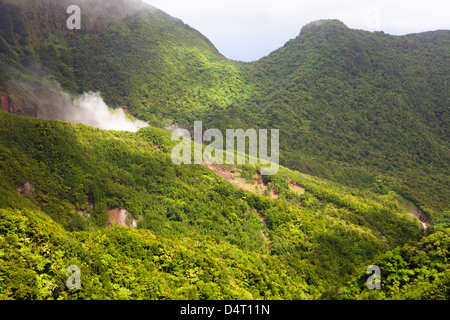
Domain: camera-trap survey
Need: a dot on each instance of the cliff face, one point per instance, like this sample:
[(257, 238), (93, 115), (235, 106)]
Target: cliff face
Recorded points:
[(10, 106)]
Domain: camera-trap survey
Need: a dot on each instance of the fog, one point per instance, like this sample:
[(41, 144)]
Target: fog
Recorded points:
[(92, 110), (47, 100)]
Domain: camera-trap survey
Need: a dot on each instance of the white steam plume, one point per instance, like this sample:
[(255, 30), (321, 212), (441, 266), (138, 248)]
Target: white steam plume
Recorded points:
[(51, 102), (95, 112)]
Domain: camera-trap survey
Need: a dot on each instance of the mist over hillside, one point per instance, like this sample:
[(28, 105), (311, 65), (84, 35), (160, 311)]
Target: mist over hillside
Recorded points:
[(49, 101)]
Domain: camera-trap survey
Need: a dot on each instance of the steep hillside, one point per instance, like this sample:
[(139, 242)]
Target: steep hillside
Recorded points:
[(368, 105), (363, 121), (365, 109), (313, 236), (136, 55), (415, 271)]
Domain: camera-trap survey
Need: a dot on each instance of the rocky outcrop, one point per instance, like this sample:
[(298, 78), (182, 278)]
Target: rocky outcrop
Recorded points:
[(26, 189), (10, 106), (121, 217)]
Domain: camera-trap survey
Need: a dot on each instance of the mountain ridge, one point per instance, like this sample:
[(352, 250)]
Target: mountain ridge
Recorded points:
[(363, 119), (178, 76)]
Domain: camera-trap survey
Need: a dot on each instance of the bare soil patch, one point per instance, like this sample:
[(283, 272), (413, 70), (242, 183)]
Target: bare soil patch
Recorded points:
[(121, 217), (294, 186), (233, 175)]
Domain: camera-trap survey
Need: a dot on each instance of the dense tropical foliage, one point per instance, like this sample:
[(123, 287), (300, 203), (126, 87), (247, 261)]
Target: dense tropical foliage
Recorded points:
[(363, 121)]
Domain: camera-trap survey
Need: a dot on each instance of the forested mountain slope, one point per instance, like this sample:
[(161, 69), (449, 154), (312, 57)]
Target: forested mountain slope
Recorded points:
[(364, 109), (366, 101), (300, 244), (363, 121), (357, 107)]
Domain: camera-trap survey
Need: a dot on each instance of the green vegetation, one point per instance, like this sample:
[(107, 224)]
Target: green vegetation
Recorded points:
[(352, 106), (363, 121), (314, 239), (416, 271), (120, 263)]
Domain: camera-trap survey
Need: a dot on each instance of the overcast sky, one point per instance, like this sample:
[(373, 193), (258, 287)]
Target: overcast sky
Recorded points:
[(247, 30)]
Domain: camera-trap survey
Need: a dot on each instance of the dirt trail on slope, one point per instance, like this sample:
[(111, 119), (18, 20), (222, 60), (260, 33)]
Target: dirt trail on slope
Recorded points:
[(233, 175), (257, 185)]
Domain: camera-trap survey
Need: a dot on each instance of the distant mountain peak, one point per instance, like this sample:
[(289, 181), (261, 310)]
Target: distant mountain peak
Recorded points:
[(330, 25), (326, 22)]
